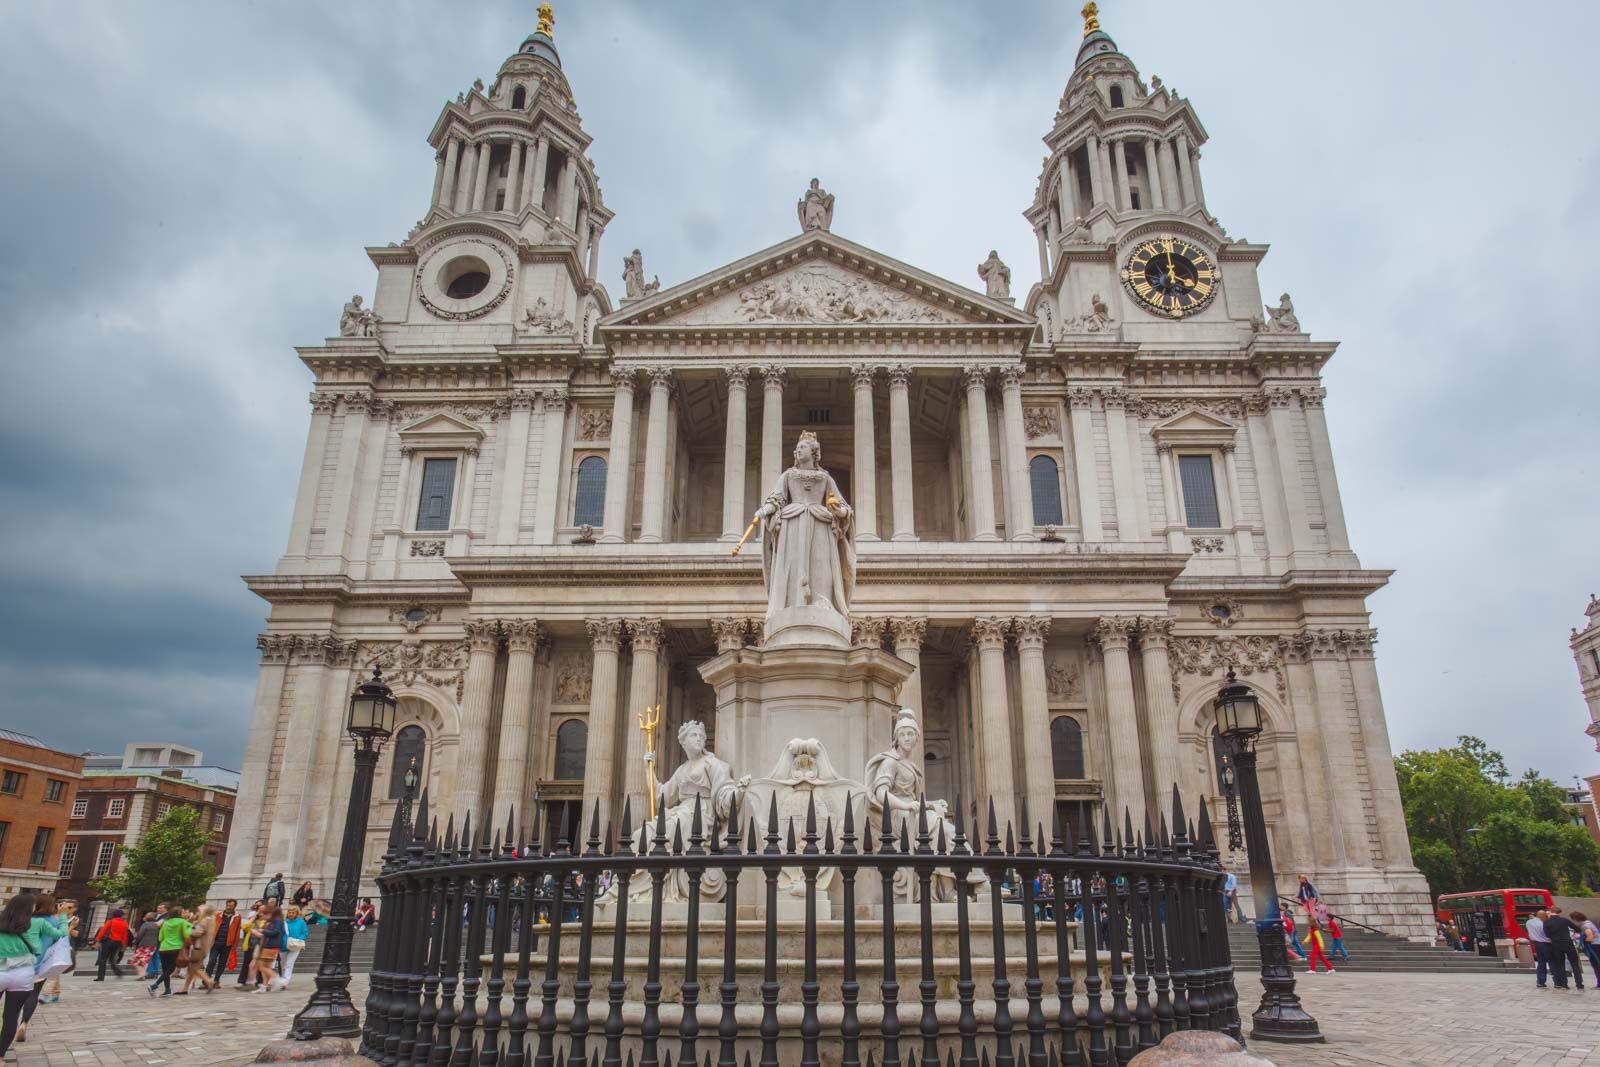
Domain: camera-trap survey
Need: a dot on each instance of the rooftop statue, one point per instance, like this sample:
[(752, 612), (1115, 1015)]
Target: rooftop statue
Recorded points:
[(633, 277), (996, 277), (816, 208)]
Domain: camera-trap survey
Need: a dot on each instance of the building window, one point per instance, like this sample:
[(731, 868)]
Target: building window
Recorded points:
[(80, 808), (69, 859), (11, 782), (218, 821), (5, 828), (519, 98), (162, 807), (41, 847), (1199, 483), (438, 487), (1116, 96), (589, 508), (114, 807), (572, 744), (1066, 747), (1133, 197), (54, 790), (409, 744), (1045, 479), (103, 858)]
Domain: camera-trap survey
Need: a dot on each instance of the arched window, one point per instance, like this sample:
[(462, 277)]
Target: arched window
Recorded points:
[(409, 744), (572, 743), (1045, 479), (1116, 96), (590, 508), (519, 98), (1066, 747)]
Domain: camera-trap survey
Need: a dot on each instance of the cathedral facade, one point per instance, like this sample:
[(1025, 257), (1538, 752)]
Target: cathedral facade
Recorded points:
[(1074, 509)]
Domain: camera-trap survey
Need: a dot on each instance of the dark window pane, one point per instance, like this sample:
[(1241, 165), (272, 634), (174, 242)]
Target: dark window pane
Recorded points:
[(1046, 481), (410, 743), (572, 743), (438, 486), (41, 846), (1066, 747), (1199, 493), (591, 502)]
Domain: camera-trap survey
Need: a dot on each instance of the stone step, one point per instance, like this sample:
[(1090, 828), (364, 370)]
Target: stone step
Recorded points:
[(1375, 952)]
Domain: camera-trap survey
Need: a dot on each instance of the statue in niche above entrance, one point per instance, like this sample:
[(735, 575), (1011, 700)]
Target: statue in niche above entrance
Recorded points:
[(703, 777), (808, 555), (894, 781)]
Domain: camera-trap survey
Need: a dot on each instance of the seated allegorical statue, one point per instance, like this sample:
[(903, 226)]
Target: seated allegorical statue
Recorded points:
[(704, 777)]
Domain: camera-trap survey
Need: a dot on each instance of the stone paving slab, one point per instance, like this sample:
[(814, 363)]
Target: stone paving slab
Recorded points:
[(1371, 1020)]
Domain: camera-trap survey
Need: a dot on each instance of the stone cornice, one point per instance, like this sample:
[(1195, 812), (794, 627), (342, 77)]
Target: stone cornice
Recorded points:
[(1357, 582), (342, 589)]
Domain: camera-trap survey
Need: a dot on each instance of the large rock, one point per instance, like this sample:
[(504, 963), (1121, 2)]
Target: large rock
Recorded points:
[(1199, 1048), (323, 1052)]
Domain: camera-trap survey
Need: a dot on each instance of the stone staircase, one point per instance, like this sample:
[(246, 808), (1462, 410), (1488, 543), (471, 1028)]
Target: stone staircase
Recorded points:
[(360, 950), (1371, 951)]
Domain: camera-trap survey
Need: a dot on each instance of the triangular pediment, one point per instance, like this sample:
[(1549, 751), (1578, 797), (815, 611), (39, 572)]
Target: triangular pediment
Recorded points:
[(439, 427), (817, 279), (1194, 427)]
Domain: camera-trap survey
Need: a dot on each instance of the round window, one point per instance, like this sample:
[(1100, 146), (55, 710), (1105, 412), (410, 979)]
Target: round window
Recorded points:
[(1221, 611), (464, 277)]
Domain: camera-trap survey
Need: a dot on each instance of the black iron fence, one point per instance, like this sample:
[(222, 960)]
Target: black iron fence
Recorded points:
[(506, 949)]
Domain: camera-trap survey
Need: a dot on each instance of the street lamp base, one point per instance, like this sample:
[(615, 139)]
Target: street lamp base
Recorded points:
[(1280, 1016), (326, 1018), (1290, 1027)]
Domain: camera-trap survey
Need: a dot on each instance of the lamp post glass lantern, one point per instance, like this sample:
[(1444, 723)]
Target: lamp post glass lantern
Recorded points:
[(329, 1012), (1280, 1016)]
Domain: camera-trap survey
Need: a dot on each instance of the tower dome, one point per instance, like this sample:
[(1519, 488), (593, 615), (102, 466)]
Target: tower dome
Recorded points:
[(1095, 40), (541, 42)]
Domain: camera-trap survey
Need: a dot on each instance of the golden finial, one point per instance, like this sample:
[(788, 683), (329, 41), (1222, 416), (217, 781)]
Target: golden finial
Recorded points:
[(547, 20), (1091, 18)]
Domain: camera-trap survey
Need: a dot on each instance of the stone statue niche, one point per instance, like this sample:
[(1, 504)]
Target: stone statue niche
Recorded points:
[(808, 554), (895, 783)]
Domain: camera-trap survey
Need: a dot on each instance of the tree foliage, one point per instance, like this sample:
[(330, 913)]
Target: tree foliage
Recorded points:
[(1472, 828), (168, 865)]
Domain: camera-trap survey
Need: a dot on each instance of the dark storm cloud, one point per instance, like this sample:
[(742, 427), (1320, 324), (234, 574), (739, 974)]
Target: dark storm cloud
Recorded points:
[(188, 189)]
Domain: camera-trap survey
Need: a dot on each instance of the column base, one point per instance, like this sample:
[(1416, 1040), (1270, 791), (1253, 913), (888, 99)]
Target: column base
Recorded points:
[(990, 536), (905, 535), (867, 537), (609, 539), (648, 539)]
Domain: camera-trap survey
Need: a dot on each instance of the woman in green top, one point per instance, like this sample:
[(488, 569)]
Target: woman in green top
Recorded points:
[(19, 951), (174, 935), (51, 927)]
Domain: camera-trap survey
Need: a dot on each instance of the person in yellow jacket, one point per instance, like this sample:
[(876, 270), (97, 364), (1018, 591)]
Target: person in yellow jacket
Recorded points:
[(247, 944)]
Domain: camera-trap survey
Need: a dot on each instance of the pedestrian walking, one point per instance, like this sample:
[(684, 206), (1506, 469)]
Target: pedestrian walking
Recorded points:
[(1306, 893), (1541, 947), (248, 940), (1336, 940), (51, 924), (175, 930), (144, 943), (224, 938), (1230, 901), (269, 927), (1588, 942), (1314, 940), (112, 941), (274, 890), (20, 951), (1293, 936), (153, 965), (294, 942), (1563, 947), (198, 952)]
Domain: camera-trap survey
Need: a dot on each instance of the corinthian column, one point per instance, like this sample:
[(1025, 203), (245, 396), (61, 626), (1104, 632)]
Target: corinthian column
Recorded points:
[(516, 719), (619, 466), (480, 178), (1019, 500), (600, 757), (905, 522), (733, 455), (1036, 754), (771, 427), (472, 759), (995, 715), (654, 521), (1161, 712), (980, 509), (1127, 765), (646, 634), (866, 479)]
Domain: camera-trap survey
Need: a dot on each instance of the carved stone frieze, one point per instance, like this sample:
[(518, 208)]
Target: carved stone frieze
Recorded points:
[(543, 320), (819, 292), (427, 549), (1212, 656), (1040, 421), (442, 664), (1063, 679), (1206, 544), (594, 424), (1155, 408), (574, 677)]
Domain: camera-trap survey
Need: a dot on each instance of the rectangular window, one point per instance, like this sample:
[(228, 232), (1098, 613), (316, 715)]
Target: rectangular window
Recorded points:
[(102, 859), (5, 828), (69, 859), (218, 820), (11, 782), (80, 808), (41, 847), (54, 790), (438, 487), (162, 808), (1199, 492), (500, 200), (114, 807)]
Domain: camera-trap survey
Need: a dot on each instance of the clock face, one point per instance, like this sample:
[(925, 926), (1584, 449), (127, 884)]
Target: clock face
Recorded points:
[(1170, 276)]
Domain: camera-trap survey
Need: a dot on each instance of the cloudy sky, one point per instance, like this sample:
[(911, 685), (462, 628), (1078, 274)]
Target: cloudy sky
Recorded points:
[(188, 188)]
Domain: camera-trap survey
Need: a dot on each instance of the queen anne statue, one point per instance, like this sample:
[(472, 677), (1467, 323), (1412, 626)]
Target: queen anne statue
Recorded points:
[(701, 777), (808, 556)]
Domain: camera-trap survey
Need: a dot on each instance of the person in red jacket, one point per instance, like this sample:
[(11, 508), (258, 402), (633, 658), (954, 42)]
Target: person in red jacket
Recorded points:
[(113, 940), (225, 941)]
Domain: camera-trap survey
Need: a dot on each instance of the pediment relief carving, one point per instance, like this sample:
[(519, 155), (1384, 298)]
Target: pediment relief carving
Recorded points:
[(816, 292)]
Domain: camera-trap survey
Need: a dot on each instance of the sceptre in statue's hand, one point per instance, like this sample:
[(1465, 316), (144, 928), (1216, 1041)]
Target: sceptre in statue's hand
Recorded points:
[(648, 721)]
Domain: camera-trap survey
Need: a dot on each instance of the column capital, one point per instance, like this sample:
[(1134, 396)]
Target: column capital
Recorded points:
[(867, 631), (660, 377), (908, 631), (1312, 396), (522, 635), (324, 403), (1114, 397), (1011, 376), (622, 378), (604, 634), (1358, 643), (899, 376), (975, 376), (861, 375), (1080, 399), (1279, 397), (773, 375), (1294, 648), (646, 634), (1154, 630), (738, 375), (522, 399), (729, 632), (1031, 631), (990, 633), (483, 635), (1325, 644), (275, 648), (1113, 632), (553, 398)]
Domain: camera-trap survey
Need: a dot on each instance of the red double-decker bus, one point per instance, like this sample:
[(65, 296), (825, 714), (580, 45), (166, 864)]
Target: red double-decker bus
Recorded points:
[(1503, 911)]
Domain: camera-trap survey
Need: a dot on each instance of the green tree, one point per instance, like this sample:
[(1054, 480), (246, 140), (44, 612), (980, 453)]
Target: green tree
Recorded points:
[(168, 865)]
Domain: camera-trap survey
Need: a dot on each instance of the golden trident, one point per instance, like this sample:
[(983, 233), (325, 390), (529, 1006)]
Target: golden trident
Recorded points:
[(648, 721)]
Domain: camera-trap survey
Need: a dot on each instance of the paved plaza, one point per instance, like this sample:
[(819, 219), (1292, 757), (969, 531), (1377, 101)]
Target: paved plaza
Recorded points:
[(1393, 1020)]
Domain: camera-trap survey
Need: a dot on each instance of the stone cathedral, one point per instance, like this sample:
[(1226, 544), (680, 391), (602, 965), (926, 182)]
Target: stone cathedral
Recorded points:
[(1071, 510)]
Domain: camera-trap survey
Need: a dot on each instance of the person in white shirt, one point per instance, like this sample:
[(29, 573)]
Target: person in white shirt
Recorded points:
[(1541, 946)]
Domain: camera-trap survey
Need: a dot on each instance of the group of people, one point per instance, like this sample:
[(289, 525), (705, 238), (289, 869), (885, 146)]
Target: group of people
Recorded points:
[(35, 949), (1324, 936), (1557, 941)]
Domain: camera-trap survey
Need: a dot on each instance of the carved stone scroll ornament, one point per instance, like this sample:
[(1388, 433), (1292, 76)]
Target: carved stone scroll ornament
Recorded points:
[(439, 663), (427, 549), (415, 616), (1206, 544), (1213, 656)]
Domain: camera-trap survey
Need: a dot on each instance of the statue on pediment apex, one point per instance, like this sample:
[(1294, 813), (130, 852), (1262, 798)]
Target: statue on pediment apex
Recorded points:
[(816, 208)]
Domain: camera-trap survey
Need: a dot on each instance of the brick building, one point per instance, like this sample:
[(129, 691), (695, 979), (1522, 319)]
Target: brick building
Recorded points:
[(38, 787)]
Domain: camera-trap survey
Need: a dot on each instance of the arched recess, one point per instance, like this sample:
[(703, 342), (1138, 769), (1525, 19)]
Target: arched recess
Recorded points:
[(435, 714), (571, 749), (939, 771)]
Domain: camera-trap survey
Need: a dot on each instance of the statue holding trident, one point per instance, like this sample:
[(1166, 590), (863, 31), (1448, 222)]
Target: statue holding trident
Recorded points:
[(701, 779)]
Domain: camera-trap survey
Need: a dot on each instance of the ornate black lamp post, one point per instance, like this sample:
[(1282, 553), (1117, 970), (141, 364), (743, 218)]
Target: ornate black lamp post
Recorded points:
[(1280, 1016), (329, 1012)]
